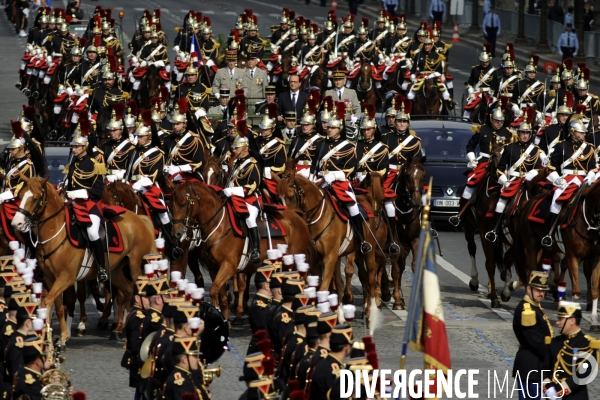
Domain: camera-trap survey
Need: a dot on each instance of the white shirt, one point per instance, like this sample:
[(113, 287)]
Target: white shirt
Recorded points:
[(340, 92)]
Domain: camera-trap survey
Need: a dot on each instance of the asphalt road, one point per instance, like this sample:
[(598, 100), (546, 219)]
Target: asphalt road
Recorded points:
[(480, 337)]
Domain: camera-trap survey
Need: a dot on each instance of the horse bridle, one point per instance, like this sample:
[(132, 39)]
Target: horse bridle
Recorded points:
[(41, 203), (405, 196), (425, 98), (301, 196)]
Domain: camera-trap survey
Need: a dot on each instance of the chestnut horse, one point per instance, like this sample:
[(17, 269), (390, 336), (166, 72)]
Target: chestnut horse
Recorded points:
[(43, 210), (579, 243), (428, 100), (196, 203), (149, 86), (328, 231), (365, 85)]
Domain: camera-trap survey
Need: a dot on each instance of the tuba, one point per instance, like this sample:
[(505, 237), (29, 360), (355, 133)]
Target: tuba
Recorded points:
[(55, 385)]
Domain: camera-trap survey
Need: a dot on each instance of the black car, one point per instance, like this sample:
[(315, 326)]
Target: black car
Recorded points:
[(57, 157), (444, 144)]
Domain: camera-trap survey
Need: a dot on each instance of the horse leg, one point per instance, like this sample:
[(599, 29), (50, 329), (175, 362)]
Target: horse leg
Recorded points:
[(226, 272), (472, 248), (573, 265), (329, 261), (60, 284), (65, 323), (103, 321), (81, 297), (506, 291), (121, 301), (490, 267), (241, 289), (384, 282), (349, 271), (94, 288), (68, 304), (397, 279)]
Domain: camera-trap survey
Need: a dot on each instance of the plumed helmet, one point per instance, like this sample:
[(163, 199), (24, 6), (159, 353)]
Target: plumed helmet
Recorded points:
[(533, 63), (486, 55), (567, 106), (82, 133), (240, 142), (497, 114), (17, 140), (509, 63), (577, 126), (310, 112), (131, 116), (180, 111), (368, 120), (584, 79), (338, 115), (402, 22), (327, 109), (116, 121), (269, 121), (403, 107), (144, 128)]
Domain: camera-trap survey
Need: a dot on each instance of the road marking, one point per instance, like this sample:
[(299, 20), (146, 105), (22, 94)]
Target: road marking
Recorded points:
[(458, 71), (230, 13), (263, 4)]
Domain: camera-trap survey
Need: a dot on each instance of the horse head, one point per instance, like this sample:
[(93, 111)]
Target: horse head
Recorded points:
[(286, 184), (373, 182), (153, 81), (365, 77), (34, 196), (286, 66), (412, 180), (120, 194), (214, 173)]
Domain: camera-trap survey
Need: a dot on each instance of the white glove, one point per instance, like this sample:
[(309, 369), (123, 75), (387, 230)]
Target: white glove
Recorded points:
[(210, 63), (77, 194), (472, 164), (176, 49), (329, 178), (470, 90), (267, 173), (143, 64), (590, 178), (8, 195), (339, 175), (217, 95), (551, 393), (503, 180), (70, 91), (553, 176), (471, 156), (413, 78), (531, 174), (172, 169), (234, 191), (49, 59), (201, 112), (120, 174), (160, 63), (353, 119), (305, 172), (560, 183), (185, 168), (111, 178)]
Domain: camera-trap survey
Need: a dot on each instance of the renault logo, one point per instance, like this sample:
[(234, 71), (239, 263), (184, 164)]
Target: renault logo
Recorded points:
[(449, 191)]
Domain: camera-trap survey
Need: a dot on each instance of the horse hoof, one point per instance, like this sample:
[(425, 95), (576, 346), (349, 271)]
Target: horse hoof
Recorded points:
[(595, 328), (504, 298), (399, 306), (115, 336), (348, 299), (575, 297), (386, 297), (102, 326), (80, 332), (238, 321), (495, 303), (473, 287)]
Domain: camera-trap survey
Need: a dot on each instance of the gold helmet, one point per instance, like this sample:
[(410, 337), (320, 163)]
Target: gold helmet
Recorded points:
[(567, 105), (327, 108), (577, 126), (368, 120), (566, 72), (338, 115), (192, 69), (239, 25), (207, 29), (116, 121), (391, 112), (144, 127), (497, 113), (64, 27), (556, 78), (423, 29), (486, 55), (349, 22), (509, 63), (533, 63), (403, 107), (364, 27), (17, 140), (269, 121), (155, 32), (146, 28), (402, 22), (240, 142), (310, 112), (381, 17), (44, 18), (330, 23), (584, 80), (130, 117), (82, 132), (303, 30), (293, 31), (180, 111)]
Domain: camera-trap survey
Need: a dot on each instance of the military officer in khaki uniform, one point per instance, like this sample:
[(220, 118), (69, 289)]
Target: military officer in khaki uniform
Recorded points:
[(229, 76), (348, 96), (255, 80)]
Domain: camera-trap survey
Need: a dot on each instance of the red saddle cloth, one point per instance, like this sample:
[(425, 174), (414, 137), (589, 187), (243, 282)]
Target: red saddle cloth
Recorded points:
[(475, 176), (7, 213), (77, 215), (343, 213), (152, 198)]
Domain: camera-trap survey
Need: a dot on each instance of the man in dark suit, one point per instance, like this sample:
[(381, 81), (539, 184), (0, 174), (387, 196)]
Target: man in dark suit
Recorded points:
[(294, 100)]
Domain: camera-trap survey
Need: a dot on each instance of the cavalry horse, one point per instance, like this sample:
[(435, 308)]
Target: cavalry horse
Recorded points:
[(576, 235), (428, 100), (196, 205), (328, 231), (365, 85), (284, 63), (43, 210), (149, 86), (484, 197)]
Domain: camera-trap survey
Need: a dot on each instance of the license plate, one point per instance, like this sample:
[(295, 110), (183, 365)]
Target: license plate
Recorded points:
[(447, 203)]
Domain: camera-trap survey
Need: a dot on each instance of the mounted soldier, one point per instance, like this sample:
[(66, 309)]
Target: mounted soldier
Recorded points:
[(195, 92), (482, 79), (252, 45), (336, 161), (271, 149), (520, 163), (90, 71), (573, 163), (583, 97), (84, 186), (119, 148), (105, 96), (305, 145), (507, 84), (209, 47), (554, 133), (530, 89)]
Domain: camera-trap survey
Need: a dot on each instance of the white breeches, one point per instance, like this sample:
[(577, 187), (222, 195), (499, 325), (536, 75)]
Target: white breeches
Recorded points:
[(352, 208), (556, 207), (93, 230), (468, 192), (467, 114), (390, 210), (253, 214), (501, 205)]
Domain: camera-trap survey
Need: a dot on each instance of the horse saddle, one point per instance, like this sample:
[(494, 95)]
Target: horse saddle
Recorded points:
[(7, 213), (342, 212), (541, 210), (78, 218), (274, 226)]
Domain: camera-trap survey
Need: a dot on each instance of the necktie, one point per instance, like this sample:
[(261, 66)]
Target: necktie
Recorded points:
[(492, 16), (568, 40), (294, 100), (252, 74), (231, 73), (340, 94)]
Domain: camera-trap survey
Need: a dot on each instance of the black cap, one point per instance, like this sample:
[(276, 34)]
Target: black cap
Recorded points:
[(17, 300), (326, 322), (140, 285), (341, 335), (292, 287), (27, 310), (32, 346), (186, 345), (539, 280), (156, 286), (276, 280), (300, 300), (300, 314), (271, 89), (224, 92), (290, 115), (263, 274)]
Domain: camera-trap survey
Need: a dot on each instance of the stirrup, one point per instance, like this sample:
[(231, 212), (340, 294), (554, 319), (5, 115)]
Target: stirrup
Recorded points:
[(102, 277), (393, 248), (35, 94), (454, 220), (18, 85), (27, 92), (255, 256), (365, 247), (547, 241), (491, 236)]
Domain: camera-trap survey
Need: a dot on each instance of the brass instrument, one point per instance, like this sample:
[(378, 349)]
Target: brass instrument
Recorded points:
[(55, 382), (209, 374), (145, 348)]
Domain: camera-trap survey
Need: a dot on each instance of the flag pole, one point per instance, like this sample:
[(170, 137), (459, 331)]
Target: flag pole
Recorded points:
[(418, 278)]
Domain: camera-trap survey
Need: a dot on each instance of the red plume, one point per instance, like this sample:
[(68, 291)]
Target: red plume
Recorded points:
[(333, 16), (580, 65), (369, 110), (147, 14), (79, 396), (85, 127), (83, 116), (315, 94), (299, 22), (351, 18), (163, 92), (430, 30), (407, 106), (82, 42), (110, 52), (68, 19), (255, 19), (529, 115), (97, 10), (132, 106), (16, 128), (586, 73), (328, 101), (286, 12), (157, 12), (158, 27), (97, 40), (568, 63), (248, 11), (315, 28), (268, 365), (398, 101), (29, 112), (403, 18), (265, 347), (570, 99), (207, 21), (240, 105), (312, 106), (424, 25), (293, 384), (242, 128), (292, 15), (367, 339), (373, 360), (244, 18), (259, 335), (536, 59), (395, 20), (147, 117), (236, 37), (183, 105), (272, 110), (107, 13), (112, 62), (580, 109), (369, 347), (154, 101), (119, 109), (340, 110), (438, 26), (386, 14), (487, 47), (365, 22)]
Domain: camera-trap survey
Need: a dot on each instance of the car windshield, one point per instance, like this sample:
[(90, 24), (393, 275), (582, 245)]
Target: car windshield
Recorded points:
[(444, 144), (57, 159)]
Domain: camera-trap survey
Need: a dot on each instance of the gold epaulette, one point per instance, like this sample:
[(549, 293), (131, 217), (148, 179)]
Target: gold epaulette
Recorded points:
[(99, 168), (527, 316), (67, 168), (476, 128), (441, 57), (475, 66), (552, 93), (412, 132), (594, 343), (447, 46), (547, 339)]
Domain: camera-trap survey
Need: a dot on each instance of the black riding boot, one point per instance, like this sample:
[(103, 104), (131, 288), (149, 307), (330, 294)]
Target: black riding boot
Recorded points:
[(357, 223), (98, 252), (547, 240), (492, 235), (174, 250), (391, 245), (455, 219), (255, 241)]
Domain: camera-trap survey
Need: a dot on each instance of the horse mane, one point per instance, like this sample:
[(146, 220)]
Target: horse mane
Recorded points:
[(122, 190), (36, 184), (377, 187)]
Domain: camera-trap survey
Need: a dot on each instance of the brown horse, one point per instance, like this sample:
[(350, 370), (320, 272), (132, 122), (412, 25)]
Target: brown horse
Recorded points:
[(577, 238), (365, 85), (328, 231), (121, 194), (149, 86), (43, 210), (428, 100), (196, 203), (285, 61)]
